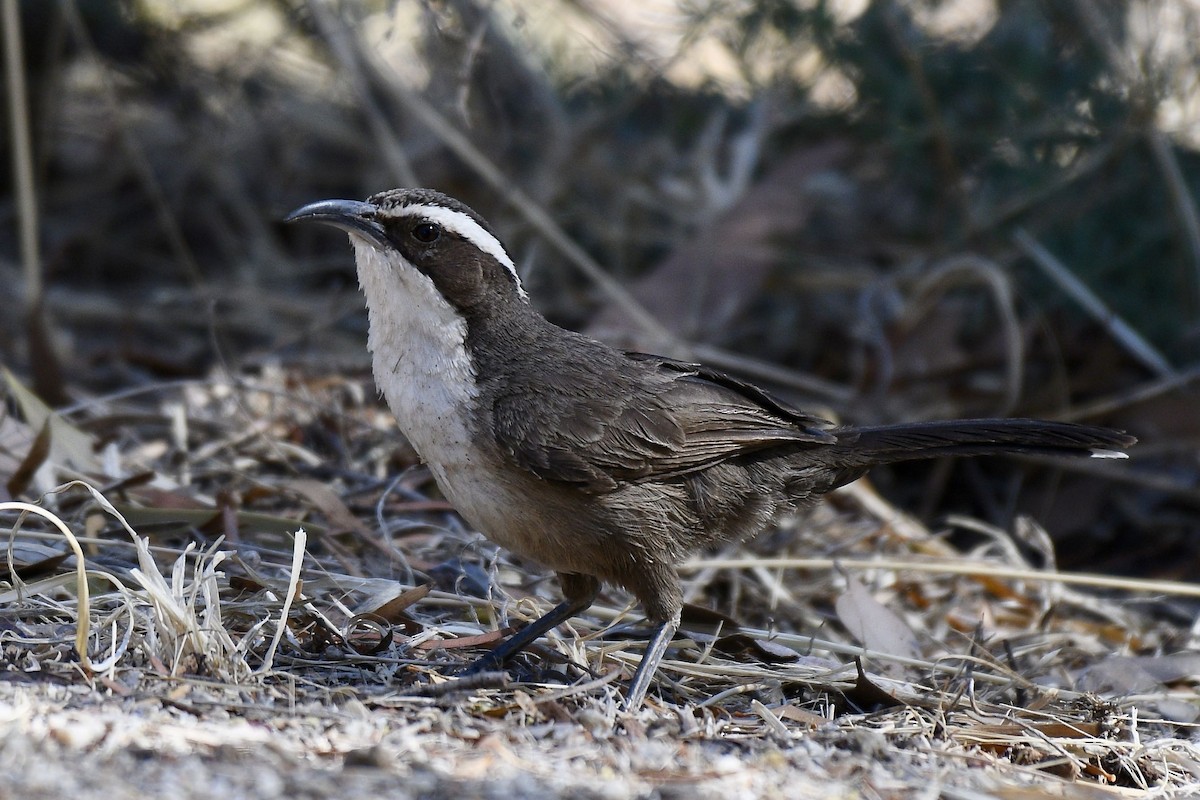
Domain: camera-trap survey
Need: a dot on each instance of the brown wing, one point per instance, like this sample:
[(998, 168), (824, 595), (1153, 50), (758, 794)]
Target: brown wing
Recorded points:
[(633, 417)]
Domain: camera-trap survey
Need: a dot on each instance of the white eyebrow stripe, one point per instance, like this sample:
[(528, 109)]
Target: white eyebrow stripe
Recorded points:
[(469, 229)]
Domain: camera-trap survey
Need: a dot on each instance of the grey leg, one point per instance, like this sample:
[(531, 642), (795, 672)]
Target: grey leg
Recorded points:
[(659, 640), (580, 592)]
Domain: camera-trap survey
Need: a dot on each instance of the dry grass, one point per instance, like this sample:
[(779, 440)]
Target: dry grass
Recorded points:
[(190, 622)]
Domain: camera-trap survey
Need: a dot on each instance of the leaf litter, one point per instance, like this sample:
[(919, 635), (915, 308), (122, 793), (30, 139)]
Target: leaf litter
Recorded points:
[(258, 572)]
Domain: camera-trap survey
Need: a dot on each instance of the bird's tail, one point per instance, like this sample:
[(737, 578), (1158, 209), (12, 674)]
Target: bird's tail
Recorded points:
[(884, 444)]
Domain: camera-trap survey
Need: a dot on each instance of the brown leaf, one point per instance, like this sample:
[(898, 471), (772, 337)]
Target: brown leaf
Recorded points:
[(872, 624), (43, 357), (153, 497), (393, 611), (703, 285), (326, 501), (245, 583), (800, 715), (37, 454), (389, 609), (1054, 730), (866, 695), (699, 618), (68, 445), (368, 634), (741, 644), (173, 520), (464, 641), (31, 560)]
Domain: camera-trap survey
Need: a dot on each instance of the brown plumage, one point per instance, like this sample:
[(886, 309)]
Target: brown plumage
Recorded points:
[(603, 465)]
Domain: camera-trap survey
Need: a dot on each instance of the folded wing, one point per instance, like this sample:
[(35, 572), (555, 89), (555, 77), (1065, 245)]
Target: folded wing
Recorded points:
[(652, 418)]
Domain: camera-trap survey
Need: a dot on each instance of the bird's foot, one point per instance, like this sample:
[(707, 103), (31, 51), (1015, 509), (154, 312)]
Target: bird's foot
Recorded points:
[(488, 662)]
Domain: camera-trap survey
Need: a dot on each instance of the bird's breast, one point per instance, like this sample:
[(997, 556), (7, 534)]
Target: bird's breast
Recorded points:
[(419, 356)]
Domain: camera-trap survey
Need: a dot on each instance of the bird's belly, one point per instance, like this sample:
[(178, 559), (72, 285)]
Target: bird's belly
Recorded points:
[(480, 500), (554, 526), (466, 475), (514, 516), (472, 477)]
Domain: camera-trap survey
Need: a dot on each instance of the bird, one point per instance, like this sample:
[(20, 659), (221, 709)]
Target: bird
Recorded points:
[(607, 466)]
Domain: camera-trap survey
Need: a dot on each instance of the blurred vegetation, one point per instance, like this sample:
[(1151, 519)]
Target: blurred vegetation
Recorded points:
[(859, 187)]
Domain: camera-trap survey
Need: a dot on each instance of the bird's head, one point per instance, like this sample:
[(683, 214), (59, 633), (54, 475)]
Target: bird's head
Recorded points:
[(405, 233)]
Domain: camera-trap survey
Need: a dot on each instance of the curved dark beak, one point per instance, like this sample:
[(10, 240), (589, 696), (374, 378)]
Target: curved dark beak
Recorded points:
[(352, 216)]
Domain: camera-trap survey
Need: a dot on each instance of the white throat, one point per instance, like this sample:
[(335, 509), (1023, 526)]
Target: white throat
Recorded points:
[(419, 356)]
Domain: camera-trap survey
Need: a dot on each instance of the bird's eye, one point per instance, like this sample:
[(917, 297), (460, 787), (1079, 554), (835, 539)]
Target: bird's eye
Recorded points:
[(427, 233)]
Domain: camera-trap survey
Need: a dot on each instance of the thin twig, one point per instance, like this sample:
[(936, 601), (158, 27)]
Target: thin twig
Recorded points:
[(1101, 33), (972, 268), (1128, 397), (134, 151), (533, 213), (964, 567), (1181, 195), (22, 155), (1117, 327), (469, 683), (386, 138)]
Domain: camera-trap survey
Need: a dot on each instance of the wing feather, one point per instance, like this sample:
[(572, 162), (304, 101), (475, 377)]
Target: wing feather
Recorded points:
[(652, 418)]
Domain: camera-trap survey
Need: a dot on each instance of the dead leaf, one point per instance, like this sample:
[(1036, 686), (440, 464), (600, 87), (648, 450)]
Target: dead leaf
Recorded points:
[(1053, 730), (154, 497), (174, 520), (69, 446), (393, 610), (37, 454), (368, 634), (43, 356), (1125, 675), (741, 644), (245, 583), (703, 619), (872, 624), (464, 641), (804, 717), (867, 695), (31, 560), (702, 286), (326, 501)]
